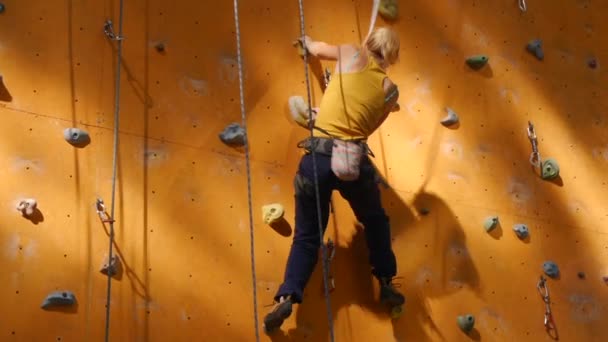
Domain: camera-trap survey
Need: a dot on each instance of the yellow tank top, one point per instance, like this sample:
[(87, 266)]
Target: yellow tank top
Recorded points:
[(353, 104)]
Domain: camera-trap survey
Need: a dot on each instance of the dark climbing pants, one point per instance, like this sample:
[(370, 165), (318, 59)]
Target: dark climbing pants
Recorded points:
[(363, 195)]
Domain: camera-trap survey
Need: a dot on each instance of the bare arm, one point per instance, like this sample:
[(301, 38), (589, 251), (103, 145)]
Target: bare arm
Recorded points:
[(328, 51)]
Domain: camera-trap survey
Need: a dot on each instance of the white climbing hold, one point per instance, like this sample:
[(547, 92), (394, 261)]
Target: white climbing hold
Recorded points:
[(27, 206), (299, 111), (451, 118), (272, 213)]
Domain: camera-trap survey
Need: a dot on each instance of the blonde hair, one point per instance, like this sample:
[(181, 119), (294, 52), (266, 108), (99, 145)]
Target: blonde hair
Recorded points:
[(384, 42)]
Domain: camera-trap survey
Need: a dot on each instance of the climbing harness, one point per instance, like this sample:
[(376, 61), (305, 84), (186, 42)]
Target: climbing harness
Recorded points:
[(109, 31), (246, 138), (543, 289), (522, 5), (535, 155)]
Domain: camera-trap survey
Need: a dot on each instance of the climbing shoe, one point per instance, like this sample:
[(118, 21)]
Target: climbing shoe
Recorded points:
[(388, 294), (275, 318)]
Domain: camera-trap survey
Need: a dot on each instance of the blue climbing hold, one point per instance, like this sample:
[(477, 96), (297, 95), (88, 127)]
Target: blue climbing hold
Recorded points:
[(551, 269), (233, 135), (521, 230), (59, 298), (535, 47), (76, 137)]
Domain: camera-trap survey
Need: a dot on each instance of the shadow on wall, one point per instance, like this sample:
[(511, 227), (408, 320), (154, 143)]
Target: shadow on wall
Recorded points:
[(5, 95), (432, 259)]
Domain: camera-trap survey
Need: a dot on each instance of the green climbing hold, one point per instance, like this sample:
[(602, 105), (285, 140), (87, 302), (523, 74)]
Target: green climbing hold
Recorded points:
[(550, 169), (490, 223), (477, 61), (466, 323), (388, 9)]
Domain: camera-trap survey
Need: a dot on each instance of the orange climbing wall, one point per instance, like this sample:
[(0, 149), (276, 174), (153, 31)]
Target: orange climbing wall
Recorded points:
[(182, 228)]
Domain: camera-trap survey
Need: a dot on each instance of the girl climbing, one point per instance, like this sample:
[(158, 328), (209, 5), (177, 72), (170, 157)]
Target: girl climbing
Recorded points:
[(356, 102)]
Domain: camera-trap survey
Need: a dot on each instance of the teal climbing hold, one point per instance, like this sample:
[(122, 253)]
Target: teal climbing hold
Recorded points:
[(477, 62), (535, 47), (466, 323), (490, 223), (550, 169)]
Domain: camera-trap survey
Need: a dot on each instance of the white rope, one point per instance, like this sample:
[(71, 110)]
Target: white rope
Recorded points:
[(316, 181), (119, 40), (244, 124), (372, 21), (522, 5)]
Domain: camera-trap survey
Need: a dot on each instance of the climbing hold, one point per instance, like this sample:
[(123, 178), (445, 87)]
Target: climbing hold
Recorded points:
[(298, 110), (396, 311), (424, 211), (233, 135), (1, 8), (272, 213), (477, 62), (605, 279), (76, 137), (490, 223), (59, 298), (27, 207), (592, 63), (535, 47), (550, 268), (160, 47), (466, 323), (388, 9), (298, 44), (550, 169), (521, 230), (111, 267), (581, 275), (451, 118)]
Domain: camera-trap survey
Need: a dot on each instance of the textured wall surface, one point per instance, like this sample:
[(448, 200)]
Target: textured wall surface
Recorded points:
[(182, 215)]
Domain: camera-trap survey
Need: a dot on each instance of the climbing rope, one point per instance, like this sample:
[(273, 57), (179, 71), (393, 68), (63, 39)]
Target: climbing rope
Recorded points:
[(246, 138), (316, 179), (108, 29), (522, 5)]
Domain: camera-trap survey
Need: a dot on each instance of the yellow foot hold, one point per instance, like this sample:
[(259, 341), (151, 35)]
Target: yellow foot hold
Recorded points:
[(388, 9), (272, 213), (396, 311)]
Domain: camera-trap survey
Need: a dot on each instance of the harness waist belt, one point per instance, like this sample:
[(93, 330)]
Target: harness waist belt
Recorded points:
[(325, 145)]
